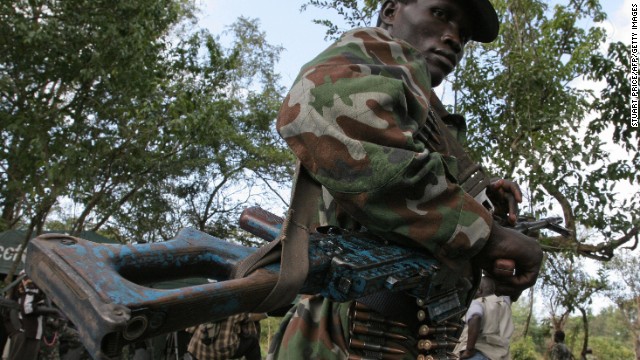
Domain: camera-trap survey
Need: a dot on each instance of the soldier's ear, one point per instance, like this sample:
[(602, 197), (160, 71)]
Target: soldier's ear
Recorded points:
[(388, 13)]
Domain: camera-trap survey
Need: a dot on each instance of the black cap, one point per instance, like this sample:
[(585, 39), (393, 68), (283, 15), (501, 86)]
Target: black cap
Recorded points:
[(485, 20)]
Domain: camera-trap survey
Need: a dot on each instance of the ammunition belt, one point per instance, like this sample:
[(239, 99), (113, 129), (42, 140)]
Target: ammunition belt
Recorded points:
[(375, 336)]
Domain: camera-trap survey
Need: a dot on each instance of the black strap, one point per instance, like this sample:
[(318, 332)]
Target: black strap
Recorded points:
[(472, 176)]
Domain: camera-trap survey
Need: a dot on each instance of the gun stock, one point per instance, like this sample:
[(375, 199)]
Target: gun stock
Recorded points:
[(105, 290)]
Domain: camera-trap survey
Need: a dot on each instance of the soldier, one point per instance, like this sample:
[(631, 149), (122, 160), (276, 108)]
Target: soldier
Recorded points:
[(360, 118), (560, 351)]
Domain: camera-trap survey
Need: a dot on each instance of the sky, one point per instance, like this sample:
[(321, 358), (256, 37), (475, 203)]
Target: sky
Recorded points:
[(285, 25)]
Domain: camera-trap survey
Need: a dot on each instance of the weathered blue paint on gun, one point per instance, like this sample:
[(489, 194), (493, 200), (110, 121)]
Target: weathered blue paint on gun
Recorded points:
[(104, 289)]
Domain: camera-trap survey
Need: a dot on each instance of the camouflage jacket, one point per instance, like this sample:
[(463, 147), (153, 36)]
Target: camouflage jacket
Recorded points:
[(353, 117), (560, 351)]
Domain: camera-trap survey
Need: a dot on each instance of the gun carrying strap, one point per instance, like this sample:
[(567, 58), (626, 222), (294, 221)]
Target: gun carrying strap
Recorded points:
[(291, 247), (472, 176)]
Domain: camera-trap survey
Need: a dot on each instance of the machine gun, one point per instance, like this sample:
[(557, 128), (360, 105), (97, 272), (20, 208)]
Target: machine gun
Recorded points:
[(105, 289), (550, 223)]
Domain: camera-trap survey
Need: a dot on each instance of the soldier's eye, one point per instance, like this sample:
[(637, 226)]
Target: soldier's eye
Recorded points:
[(439, 13)]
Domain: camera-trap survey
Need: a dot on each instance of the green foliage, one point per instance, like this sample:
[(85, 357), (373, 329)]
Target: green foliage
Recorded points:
[(567, 286), (355, 13), (612, 105), (527, 121), (142, 123), (614, 110), (268, 329), (524, 349), (610, 323), (611, 348), (625, 293), (72, 81), (536, 331), (609, 335)]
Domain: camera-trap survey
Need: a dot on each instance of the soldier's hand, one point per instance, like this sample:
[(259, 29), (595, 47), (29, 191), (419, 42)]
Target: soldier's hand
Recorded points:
[(504, 243), (505, 196)]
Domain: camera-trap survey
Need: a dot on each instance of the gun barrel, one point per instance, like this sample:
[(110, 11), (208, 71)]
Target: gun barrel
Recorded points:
[(526, 226), (261, 223)]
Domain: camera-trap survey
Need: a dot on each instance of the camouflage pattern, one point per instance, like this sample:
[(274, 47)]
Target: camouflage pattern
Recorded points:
[(560, 351), (50, 347), (313, 329), (353, 118), (317, 328), (56, 333)]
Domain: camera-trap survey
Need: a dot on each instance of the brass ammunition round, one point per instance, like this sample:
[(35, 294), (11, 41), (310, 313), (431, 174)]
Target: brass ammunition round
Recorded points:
[(425, 357), (421, 302), (360, 306), (362, 329), (422, 315), (425, 345), (430, 345), (367, 316), (362, 345), (424, 330), (455, 325)]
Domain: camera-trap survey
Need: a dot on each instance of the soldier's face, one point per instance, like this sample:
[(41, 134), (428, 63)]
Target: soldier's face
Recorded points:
[(438, 28)]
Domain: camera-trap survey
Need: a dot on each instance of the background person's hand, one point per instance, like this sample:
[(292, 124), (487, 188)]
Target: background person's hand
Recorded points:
[(468, 353)]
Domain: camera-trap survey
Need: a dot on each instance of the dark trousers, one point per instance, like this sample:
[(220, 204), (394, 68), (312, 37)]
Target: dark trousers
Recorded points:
[(23, 347), (249, 347)]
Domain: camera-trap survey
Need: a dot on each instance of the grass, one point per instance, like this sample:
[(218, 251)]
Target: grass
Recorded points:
[(268, 328)]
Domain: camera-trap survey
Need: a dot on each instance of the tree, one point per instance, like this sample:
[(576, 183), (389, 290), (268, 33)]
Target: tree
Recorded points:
[(249, 150), (530, 122), (626, 293), (74, 75), (567, 288), (112, 105), (231, 140)]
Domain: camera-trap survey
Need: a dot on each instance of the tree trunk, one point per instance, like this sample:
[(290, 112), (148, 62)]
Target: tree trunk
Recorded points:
[(637, 327), (526, 325), (585, 325)]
